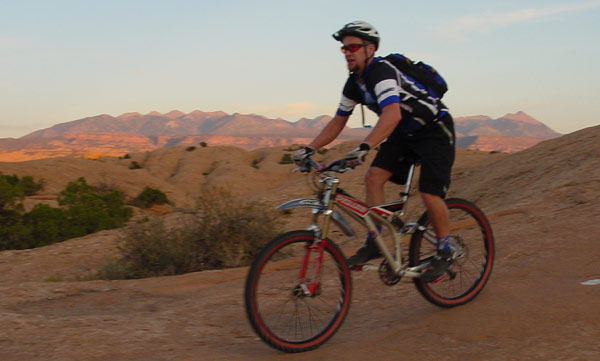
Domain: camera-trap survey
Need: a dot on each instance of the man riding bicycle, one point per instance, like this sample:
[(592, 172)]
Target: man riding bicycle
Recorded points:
[(411, 124)]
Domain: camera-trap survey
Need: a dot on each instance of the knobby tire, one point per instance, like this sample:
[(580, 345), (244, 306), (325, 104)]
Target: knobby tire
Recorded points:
[(467, 275), (283, 318)]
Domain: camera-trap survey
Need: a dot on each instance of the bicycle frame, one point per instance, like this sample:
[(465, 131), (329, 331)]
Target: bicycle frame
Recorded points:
[(386, 214), (296, 306)]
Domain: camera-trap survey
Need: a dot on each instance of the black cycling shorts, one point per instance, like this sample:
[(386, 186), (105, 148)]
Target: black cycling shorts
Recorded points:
[(433, 146)]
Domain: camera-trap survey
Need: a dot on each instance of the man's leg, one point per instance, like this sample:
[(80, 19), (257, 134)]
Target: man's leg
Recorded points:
[(438, 212), (375, 180)]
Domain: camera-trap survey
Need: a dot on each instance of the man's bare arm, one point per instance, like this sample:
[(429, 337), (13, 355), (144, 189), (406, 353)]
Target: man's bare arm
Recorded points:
[(388, 120), (330, 132)]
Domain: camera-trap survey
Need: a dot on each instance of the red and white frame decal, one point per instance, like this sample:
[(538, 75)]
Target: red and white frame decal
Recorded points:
[(382, 212), (352, 204)]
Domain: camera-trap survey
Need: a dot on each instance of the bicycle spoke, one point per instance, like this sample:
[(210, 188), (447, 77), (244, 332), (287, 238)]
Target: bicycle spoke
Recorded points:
[(279, 313), (297, 317), (472, 238)]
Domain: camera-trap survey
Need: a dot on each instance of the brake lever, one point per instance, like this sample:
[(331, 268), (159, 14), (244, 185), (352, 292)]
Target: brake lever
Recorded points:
[(305, 166), (301, 170), (339, 166)]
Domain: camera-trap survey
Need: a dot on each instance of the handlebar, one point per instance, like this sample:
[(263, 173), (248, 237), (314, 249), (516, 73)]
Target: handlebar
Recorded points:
[(338, 166)]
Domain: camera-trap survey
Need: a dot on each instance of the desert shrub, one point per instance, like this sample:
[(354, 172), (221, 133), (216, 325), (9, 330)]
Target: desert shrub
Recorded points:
[(150, 196), (89, 211), (127, 156), (225, 232), (255, 163), (286, 159), (233, 230), (54, 278), (134, 165), (203, 144), (45, 225), (11, 186), (83, 210), (191, 148), (29, 186), (12, 229), (151, 249), (10, 193)]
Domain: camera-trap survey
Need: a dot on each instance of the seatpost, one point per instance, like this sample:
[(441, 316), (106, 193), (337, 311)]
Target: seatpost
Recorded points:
[(409, 177)]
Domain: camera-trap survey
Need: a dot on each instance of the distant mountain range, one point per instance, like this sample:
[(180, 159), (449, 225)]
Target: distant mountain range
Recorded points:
[(177, 124), (511, 125), (135, 132)]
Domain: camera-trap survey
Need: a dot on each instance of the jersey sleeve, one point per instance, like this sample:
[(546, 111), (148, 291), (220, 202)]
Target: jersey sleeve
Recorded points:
[(350, 98), (383, 79)]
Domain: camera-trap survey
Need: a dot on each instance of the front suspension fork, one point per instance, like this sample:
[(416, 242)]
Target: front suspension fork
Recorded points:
[(310, 286)]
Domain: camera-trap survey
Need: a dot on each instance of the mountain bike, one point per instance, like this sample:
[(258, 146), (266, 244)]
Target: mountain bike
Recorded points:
[(299, 287)]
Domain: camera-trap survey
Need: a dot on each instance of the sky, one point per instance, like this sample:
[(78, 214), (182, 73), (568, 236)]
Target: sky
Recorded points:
[(66, 60)]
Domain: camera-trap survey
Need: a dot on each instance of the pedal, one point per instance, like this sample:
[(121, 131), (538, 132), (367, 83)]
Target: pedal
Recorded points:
[(363, 267)]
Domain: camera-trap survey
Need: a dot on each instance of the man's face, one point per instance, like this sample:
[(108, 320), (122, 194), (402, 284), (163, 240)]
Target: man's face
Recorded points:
[(356, 60)]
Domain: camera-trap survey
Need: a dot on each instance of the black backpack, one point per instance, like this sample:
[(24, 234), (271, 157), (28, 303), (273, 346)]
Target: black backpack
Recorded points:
[(423, 73)]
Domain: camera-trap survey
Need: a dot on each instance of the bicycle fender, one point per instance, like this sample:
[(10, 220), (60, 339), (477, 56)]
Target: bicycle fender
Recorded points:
[(302, 202), (336, 216)]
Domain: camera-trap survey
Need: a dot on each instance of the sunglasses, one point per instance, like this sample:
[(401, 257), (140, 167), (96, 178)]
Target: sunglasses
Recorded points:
[(353, 48)]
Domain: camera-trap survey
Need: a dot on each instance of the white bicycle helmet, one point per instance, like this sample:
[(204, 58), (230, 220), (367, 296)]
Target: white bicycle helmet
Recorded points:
[(360, 29)]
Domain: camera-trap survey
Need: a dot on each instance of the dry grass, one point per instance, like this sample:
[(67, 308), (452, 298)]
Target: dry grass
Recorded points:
[(225, 231)]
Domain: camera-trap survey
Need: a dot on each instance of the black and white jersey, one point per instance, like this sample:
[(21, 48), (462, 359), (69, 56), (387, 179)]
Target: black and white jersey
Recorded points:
[(383, 84)]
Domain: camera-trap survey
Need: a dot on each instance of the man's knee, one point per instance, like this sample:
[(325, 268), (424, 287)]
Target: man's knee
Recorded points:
[(433, 201), (376, 177), (429, 196)]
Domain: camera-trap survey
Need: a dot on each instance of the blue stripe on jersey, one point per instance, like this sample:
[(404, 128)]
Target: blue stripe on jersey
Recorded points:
[(343, 113), (389, 100)]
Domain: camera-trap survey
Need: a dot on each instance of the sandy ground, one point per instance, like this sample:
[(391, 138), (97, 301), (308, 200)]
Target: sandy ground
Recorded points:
[(544, 205)]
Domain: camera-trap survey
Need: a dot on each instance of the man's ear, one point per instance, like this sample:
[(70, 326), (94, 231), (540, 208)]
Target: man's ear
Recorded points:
[(372, 49)]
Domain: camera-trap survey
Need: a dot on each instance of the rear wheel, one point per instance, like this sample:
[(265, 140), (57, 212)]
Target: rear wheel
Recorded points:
[(473, 242), (287, 308)]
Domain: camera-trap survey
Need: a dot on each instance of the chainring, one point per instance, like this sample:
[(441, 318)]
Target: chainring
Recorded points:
[(387, 274)]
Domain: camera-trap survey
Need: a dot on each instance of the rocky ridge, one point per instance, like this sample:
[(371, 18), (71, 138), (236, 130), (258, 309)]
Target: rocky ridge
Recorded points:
[(543, 204), (103, 135)]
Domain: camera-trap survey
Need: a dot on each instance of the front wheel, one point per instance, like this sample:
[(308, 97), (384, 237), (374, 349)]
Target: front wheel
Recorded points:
[(472, 240), (298, 291)]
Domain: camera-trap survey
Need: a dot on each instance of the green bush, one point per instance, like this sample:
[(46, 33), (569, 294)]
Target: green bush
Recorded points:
[(11, 187), (225, 232), (89, 211), (286, 159), (150, 196), (134, 165), (10, 193), (45, 225), (83, 210)]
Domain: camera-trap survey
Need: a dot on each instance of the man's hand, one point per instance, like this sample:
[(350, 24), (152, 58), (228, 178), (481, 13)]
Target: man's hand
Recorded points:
[(302, 154), (357, 156)]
